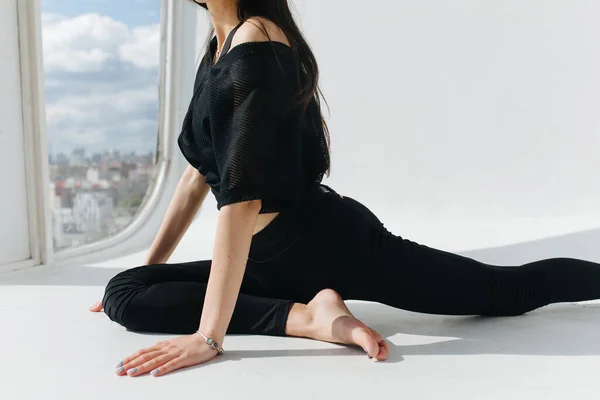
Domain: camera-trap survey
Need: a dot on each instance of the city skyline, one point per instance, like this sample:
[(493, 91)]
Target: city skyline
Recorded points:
[(92, 152)]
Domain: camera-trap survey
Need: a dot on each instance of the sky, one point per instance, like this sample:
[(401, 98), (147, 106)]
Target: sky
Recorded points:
[(101, 74), (130, 12)]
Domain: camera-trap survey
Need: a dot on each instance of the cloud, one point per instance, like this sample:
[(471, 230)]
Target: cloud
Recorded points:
[(143, 48), (93, 109), (101, 83), (87, 42)]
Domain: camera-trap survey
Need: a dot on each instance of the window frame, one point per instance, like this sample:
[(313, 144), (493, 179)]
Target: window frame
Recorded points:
[(35, 132)]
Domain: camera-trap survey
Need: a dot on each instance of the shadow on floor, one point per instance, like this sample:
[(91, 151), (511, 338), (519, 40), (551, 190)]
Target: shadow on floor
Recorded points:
[(555, 330)]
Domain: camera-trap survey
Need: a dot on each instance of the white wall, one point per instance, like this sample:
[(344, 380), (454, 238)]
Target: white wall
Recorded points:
[(467, 124), (14, 231), (464, 123)]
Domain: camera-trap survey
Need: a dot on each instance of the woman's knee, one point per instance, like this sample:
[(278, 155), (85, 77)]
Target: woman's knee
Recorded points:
[(118, 293), (516, 291)]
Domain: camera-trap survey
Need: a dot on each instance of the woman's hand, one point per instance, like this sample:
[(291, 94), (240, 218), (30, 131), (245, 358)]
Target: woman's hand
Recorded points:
[(167, 356)]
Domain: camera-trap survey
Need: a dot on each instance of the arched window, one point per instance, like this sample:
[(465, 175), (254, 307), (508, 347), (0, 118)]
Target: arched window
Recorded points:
[(101, 67)]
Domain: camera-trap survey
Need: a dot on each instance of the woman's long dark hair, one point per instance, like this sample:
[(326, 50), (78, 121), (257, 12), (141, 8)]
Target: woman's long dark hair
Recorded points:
[(279, 12)]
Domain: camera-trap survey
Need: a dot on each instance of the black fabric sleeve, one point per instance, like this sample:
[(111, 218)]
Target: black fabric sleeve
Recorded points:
[(257, 143), (189, 143)]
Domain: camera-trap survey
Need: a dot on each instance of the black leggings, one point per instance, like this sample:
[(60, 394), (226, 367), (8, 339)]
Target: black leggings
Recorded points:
[(338, 243)]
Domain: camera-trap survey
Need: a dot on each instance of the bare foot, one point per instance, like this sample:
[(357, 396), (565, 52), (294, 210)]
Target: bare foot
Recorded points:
[(331, 321), (96, 307)]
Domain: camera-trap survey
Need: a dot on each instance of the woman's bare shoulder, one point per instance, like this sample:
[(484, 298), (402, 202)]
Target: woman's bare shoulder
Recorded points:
[(254, 29)]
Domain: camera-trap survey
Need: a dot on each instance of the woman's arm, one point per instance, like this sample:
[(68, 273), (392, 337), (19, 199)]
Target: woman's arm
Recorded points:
[(187, 199), (230, 255), (232, 246), (250, 142)]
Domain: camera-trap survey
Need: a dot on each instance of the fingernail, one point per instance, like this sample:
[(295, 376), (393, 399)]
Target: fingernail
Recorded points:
[(131, 371), (120, 370), (370, 357), (119, 364), (154, 372)]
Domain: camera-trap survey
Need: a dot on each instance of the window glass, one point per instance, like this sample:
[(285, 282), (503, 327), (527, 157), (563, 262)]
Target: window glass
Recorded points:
[(101, 63)]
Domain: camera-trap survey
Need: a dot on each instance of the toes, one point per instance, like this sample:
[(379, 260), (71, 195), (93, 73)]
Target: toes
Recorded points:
[(365, 339), (96, 307), (384, 351)]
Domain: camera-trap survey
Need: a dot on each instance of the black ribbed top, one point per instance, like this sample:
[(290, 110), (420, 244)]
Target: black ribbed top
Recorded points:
[(242, 133)]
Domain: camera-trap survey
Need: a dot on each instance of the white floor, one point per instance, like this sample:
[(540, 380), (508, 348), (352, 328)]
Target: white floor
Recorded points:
[(53, 348)]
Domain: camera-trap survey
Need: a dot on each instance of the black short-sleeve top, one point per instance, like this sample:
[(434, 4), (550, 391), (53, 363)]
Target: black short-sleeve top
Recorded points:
[(243, 132)]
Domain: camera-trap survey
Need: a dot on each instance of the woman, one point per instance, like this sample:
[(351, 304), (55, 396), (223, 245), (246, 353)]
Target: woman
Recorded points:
[(288, 249)]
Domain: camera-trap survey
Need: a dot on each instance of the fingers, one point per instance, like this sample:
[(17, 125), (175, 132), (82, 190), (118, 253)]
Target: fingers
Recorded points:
[(171, 366), (126, 364), (166, 356), (131, 366), (150, 363), (96, 307)]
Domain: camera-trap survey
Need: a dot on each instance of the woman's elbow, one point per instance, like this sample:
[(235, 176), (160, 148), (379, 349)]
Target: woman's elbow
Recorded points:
[(193, 179), (255, 205)]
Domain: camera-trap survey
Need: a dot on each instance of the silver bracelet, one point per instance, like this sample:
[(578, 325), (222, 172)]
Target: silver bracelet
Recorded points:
[(212, 343)]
